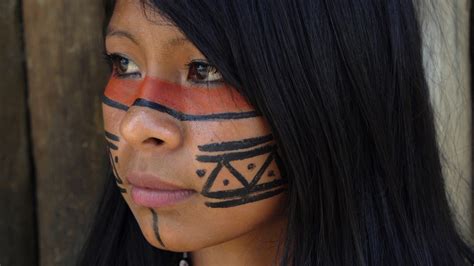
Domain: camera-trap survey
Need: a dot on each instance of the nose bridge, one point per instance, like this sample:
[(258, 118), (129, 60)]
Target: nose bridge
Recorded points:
[(146, 128), (145, 86)]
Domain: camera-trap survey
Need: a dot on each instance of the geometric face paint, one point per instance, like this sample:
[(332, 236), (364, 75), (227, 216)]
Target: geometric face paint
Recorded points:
[(183, 103), (114, 160), (199, 104), (250, 186), (112, 140)]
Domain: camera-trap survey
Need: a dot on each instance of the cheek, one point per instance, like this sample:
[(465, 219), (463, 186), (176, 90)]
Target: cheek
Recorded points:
[(238, 164), (115, 145), (242, 189), (112, 118), (202, 227), (226, 208)]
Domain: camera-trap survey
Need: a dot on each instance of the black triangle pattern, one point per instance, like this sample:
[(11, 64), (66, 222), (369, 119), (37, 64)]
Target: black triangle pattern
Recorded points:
[(250, 191)]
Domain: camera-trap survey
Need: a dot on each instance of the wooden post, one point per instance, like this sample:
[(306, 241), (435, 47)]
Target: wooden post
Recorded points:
[(17, 223), (66, 76), (471, 51), (445, 25)]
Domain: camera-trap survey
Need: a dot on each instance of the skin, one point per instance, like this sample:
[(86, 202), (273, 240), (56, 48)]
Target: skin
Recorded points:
[(160, 120)]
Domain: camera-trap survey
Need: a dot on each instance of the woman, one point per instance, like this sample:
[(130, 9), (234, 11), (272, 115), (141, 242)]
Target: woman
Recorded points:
[(270, 132)]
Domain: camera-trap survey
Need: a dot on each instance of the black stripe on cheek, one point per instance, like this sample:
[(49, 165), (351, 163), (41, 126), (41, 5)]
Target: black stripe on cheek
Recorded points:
[(237, 202), (112, 146), (114, 104), (236, 145), (111, 136), (188, 117)]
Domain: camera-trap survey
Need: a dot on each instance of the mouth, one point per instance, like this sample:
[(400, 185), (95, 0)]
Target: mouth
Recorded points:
[(149, 191)]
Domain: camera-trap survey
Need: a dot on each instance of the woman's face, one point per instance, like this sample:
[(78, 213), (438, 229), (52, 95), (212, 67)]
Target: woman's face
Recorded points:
[(194, 161)]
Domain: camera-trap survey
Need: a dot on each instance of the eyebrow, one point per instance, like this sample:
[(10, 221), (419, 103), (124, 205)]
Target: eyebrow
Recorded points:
[(120, 33), (174, 42)]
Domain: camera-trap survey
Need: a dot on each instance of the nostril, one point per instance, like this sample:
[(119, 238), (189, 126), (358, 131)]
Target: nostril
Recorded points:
[(153, 141)]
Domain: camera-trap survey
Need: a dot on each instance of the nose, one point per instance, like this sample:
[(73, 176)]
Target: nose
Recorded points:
[(148, 129)]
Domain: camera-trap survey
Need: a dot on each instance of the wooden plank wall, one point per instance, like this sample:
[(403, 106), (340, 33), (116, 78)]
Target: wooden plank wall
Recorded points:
[(66, 76), (446, 48), (17, 219), (471, 83)]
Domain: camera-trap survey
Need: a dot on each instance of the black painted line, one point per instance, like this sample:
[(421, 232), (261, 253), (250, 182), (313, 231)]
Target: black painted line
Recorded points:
[(179, 115), (236, 174), (111, 136), (234, 156), (236, 145), (117, 180), (112, 146), (107, 101), (201, 172), (212, 177), (237, 202), (114, 170), (155, 227), (279, 164), (245, 191), (117, 177), (262, 170), (122, 190), (188, 117)]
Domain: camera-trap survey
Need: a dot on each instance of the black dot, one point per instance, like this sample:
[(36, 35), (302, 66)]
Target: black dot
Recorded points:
[(201, 172), (116, 159), (271, 173), (226, 182), (251, 166)]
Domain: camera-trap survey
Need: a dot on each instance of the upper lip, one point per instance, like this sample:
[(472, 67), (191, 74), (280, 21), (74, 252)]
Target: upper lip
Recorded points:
[(151, 182)]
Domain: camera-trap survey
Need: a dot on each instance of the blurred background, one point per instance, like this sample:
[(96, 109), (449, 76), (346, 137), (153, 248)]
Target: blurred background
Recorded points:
[(52, 153)]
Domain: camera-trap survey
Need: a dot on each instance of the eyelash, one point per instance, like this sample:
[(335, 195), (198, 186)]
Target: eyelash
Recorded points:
[(114, 60)]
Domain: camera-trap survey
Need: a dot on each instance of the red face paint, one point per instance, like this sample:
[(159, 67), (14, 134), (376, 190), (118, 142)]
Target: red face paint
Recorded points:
[(187, 100)]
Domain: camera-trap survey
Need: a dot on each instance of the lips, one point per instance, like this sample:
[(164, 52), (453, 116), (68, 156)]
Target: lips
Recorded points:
[(150, 191)]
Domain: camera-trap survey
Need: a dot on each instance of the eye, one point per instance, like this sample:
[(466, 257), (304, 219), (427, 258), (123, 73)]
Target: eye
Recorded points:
[(201, 72), (123, 67)]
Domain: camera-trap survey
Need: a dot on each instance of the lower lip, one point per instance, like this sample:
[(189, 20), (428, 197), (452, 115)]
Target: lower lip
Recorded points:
[(158, 198)]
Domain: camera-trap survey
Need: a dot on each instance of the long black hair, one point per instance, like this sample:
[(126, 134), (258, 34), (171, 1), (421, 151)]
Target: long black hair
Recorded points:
[(342, 85)]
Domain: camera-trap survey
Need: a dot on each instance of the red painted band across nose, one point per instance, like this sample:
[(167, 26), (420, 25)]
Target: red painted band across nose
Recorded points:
[(184, 103)]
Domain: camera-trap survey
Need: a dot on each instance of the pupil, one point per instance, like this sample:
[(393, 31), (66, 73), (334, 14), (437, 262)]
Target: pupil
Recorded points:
[(123, 64), (202, 72)]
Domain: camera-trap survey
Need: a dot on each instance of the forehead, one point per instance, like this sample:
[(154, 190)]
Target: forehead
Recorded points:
[(133, 11), (142, 23)]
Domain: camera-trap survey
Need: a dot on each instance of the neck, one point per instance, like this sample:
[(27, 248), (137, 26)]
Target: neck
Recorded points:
[(260, 247)]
